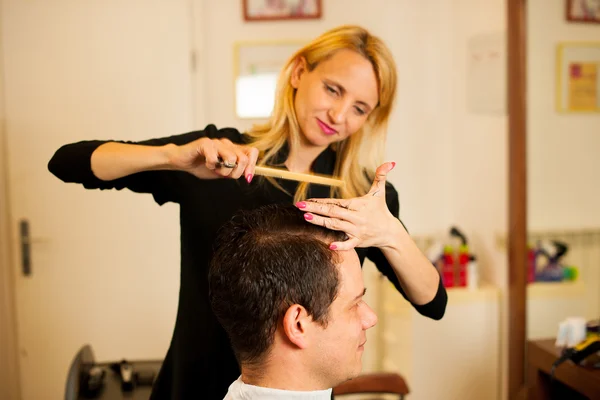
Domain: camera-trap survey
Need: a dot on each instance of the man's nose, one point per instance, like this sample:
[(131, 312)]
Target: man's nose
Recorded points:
[(370, 318)]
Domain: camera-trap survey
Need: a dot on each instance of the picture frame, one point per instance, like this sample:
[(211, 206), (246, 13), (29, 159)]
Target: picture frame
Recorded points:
[(587, 11), (577, 77), (256, 69), (277, 10)]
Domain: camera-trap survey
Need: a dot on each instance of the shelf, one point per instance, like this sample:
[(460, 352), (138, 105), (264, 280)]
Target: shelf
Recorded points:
[(555, 289)]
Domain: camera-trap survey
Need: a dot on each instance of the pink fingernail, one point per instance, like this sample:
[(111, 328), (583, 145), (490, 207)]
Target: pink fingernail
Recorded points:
[(393, 164), (249, 178), (308, 217), (301, 204), (333, 247)]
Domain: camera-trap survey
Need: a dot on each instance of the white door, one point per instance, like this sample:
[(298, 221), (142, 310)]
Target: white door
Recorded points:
[(104, 265)]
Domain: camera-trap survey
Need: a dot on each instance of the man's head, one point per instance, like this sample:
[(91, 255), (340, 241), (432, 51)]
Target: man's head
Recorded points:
[(283, 296)]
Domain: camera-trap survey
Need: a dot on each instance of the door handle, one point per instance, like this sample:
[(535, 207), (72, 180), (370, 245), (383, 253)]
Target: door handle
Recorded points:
[(25, 241)]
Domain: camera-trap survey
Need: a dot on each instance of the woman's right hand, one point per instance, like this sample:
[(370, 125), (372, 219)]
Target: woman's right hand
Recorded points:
[(210, 159)]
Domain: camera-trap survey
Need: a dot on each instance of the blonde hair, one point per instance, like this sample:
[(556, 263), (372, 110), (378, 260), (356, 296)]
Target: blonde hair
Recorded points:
[(359, 155)]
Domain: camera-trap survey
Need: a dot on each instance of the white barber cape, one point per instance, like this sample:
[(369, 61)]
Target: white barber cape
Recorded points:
[(238, 390)]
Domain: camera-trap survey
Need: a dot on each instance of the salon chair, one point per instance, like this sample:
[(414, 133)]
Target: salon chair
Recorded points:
[(88, 379), (374, 383)]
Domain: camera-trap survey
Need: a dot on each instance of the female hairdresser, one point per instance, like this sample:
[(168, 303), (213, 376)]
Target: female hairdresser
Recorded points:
[(333, 102)]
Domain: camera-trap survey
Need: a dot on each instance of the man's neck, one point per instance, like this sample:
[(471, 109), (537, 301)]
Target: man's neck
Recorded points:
[(283, 375)]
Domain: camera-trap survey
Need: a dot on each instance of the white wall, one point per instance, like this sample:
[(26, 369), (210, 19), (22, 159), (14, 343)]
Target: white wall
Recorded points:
[(479, 151), (563, 167), (563, 162)]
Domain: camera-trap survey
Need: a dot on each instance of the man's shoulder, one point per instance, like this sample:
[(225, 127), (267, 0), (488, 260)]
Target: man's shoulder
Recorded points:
[(234, 390)]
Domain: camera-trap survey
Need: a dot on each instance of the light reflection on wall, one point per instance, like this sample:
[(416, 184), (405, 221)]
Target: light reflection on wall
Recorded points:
[(255, 95)]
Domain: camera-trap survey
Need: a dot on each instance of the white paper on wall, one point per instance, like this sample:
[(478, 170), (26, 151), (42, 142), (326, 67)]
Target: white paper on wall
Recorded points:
[(486, 73)]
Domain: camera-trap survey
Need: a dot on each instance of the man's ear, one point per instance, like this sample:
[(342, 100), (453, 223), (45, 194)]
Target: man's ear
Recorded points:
[(299, 68), (296, 325)]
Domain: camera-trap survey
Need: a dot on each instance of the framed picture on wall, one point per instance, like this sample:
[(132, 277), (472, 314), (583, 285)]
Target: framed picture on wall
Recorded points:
[(583, 11), (577, 84), (273, 10)]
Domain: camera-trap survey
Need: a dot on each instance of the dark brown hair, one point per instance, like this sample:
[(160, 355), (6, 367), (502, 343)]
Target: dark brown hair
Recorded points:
[(266, 260)]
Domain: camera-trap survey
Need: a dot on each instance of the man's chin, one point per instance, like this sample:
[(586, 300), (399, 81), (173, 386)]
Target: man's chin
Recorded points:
[(351, 377), (352, 374), (357, 370)]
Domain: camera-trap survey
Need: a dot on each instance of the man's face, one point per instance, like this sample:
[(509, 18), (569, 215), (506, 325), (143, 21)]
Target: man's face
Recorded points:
[(336, 350)]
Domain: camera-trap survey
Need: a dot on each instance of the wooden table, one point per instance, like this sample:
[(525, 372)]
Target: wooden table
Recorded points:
[(571, 381)]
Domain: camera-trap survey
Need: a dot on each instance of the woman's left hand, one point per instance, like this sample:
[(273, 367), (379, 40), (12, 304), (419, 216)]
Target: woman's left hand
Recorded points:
[(366, 220)]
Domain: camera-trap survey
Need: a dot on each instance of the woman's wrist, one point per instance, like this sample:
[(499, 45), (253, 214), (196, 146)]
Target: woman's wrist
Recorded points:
[(166, 157), (397, 237)]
